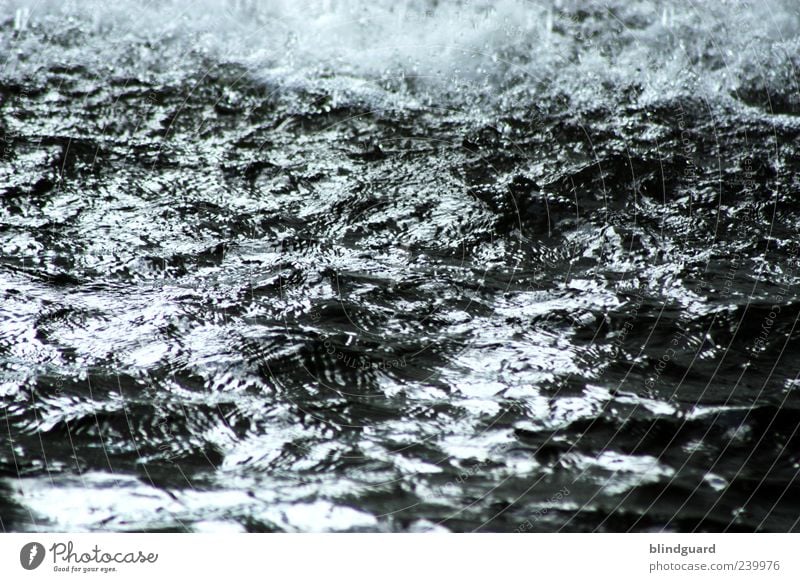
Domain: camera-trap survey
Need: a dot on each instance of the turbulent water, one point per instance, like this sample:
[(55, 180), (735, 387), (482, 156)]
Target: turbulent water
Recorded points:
[(399, 266)]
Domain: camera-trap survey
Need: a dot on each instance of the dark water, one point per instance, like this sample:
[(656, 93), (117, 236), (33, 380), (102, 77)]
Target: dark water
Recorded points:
[(271, 269)]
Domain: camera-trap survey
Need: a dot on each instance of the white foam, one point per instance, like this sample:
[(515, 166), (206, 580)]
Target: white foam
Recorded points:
[(472, 49)]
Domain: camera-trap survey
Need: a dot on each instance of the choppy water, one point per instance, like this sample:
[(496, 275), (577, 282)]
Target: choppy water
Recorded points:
[(328, 266)]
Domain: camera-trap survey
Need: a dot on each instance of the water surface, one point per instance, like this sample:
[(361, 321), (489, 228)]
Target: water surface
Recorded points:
[(327, 266)]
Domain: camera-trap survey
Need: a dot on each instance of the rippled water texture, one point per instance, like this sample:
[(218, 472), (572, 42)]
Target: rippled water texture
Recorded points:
[(399, 266)]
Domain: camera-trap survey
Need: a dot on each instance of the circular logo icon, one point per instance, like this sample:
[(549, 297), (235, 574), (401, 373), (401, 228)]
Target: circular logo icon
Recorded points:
[(31, 555)]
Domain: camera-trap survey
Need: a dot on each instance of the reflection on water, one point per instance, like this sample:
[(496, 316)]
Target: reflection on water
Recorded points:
[(408, 267)]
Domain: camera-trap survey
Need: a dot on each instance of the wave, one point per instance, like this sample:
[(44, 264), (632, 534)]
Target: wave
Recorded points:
[(591, 53)]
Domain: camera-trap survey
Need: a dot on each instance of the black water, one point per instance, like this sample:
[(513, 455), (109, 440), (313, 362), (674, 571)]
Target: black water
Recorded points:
[(266, 277)]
